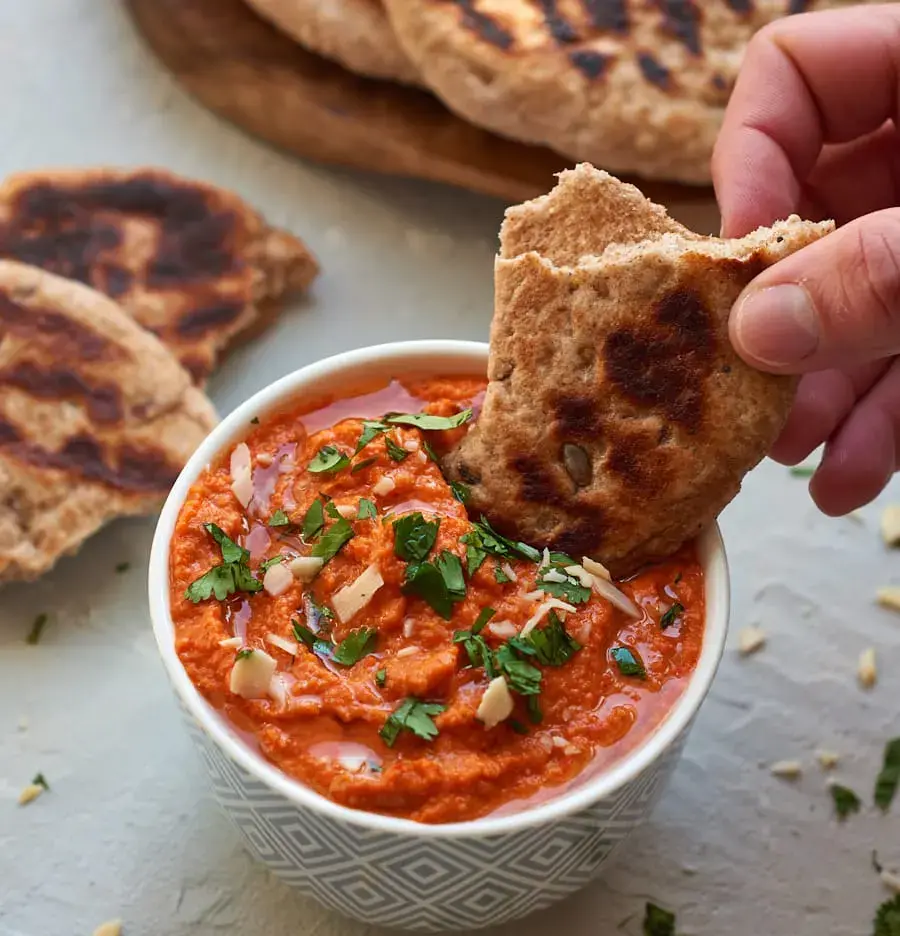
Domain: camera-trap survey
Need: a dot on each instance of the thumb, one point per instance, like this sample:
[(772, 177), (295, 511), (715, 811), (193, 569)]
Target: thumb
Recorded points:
[(835, 303)]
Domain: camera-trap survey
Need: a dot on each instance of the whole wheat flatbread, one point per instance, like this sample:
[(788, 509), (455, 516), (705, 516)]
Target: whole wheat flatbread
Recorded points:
[(191, 262), (632, 86), (354, 33), (618, 419), (97, 418)]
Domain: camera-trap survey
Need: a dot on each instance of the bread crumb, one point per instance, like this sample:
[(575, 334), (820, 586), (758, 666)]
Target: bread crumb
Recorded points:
[(786, 769), (867, 671), (828, 760), (30, 793), (751, 639), (890, 525), (890, 879), (109, 928), (889, 597)]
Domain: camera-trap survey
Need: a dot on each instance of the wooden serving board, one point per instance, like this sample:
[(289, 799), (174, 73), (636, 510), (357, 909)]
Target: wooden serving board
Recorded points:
[(246, 71)]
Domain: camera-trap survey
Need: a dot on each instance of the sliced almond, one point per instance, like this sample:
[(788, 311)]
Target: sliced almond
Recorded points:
[(891, 880), (383, 486), (347, 511), (352, 598), (232, 643), (867, 670), (786, 769), (30, 793), (283, 643), (251, 674), (596, 568), (496, 704), (109, 928), (278, 579), (305, 568), (889, 597), (751, 639), (241, 474), (890, 525), (828, 760)]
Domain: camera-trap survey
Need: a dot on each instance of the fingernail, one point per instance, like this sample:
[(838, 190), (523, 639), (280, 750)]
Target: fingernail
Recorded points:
[(777, 325)]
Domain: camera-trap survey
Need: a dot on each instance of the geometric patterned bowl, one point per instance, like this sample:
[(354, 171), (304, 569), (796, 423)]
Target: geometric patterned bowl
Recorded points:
[(395, 872)]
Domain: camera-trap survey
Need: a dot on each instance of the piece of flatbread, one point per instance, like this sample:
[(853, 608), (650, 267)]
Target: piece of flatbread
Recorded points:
[(353, 33), (191, 262), (632, 86), (618, 420), (97, 418)]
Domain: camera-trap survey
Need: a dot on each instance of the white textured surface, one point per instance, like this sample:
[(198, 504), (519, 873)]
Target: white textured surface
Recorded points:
[(127, 830)]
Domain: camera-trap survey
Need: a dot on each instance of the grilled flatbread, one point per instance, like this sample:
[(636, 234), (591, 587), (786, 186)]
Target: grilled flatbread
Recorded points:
[(353, 33), (632, 86), (618, 420), (97, 418), (191, 262)]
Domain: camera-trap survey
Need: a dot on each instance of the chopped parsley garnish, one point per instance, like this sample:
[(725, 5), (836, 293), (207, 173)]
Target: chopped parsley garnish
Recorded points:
[(501, 577), (628, 662), (40, 780), (517, 726), (845, 801), (803, 471), (329, 460), (450, 567), (414, 716), (484, 539), (430, 452), (396, 452), (553, 644), (359, 466), (522, 677), (355, 646), (658, 922), (331, 510), (366, 509), (232, 575), (333, 539), (371, 429), (414, 536), (533, 707), (123, 567), (380, 677), (255, 421), (569, 590), (317, 616), (313, 521), (279, 519), (460, 491), (268, 563), (427, 421), (474, 644), (889, 777), (678, 578), (243, 654), (668, 619), (37, 627), (304, 635), (424, 579), (887, 918)]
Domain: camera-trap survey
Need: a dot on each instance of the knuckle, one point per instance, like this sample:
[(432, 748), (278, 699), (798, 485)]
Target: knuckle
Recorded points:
[(876, 249)]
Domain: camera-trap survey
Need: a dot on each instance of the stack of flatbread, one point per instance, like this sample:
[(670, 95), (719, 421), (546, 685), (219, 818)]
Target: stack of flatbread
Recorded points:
[(119, 290), (633, 86)]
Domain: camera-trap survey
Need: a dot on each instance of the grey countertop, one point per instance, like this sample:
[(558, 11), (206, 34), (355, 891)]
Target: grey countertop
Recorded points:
[(128, 831)]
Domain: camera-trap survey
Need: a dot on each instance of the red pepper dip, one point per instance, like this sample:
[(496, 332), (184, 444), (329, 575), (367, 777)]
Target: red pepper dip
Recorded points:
[(335, 602)]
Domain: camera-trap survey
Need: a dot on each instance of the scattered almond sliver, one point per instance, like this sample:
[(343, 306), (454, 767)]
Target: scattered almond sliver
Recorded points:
[(891, 880), (867, 670), (109, 928), (751, 639), (828, 760), (786, 769), (890, 525), (889, 597), (30, 793)]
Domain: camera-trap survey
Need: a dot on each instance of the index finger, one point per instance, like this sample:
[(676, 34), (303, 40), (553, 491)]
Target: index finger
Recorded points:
[(806, 81)]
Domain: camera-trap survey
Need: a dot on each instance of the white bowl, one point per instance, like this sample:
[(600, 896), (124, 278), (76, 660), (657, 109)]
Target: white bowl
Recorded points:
[(395, 872)]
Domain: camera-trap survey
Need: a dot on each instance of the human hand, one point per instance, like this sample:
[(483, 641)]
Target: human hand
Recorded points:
[(812, 129)]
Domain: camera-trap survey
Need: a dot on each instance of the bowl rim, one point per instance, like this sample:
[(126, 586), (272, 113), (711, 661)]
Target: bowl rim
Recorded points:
[(469, 355)]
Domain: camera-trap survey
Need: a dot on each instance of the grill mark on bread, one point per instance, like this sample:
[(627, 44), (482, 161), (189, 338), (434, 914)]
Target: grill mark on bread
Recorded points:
[(103, 401), (484, 26), (200, 251), (537, 485), (560, 28), (663, 368), (682, 20), (740, 6), (133, 470), (577, 418), (68, 338), (199, 321), (591, 64), (609, 15), (656, 73)]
